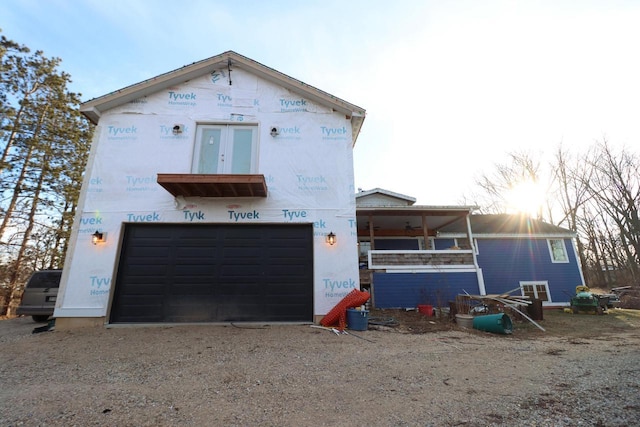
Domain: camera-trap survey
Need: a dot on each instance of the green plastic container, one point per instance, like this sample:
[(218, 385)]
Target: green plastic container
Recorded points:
[(497, 323), (357, 320)]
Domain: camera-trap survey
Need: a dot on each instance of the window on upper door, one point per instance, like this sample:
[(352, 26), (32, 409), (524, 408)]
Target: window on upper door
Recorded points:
[(536, 290), (557, 250), (226, 149)]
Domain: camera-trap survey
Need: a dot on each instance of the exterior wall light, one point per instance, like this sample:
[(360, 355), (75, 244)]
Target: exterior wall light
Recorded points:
[(331, 238), (98, 237)]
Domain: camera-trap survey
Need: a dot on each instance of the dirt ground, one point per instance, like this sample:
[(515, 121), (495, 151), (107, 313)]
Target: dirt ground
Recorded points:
[(413, 371)]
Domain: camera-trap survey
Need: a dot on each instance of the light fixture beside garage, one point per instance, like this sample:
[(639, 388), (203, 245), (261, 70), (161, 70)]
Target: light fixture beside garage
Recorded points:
[(98, 237), (331, 238)]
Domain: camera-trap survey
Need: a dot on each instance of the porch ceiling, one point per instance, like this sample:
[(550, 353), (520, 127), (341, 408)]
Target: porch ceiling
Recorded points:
[(408, 221)]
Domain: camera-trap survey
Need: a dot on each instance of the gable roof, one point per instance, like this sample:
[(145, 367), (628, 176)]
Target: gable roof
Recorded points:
[(93, 109), (505, 225), (402, 200)]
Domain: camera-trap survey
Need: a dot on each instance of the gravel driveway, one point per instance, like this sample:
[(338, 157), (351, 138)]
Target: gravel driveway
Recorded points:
[(303, 376)]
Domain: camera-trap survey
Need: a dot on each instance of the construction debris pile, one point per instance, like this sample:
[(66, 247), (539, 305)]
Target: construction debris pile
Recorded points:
[(467, 304)]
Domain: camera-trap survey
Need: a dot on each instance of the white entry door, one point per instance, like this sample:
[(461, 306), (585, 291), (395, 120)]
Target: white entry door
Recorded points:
[(225, 149)]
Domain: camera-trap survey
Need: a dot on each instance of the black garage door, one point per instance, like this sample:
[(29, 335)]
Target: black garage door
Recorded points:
[(214, 273)]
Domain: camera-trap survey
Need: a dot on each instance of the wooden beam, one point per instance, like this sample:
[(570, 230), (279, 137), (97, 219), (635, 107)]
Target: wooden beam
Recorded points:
[(425, 231), (371, 241)]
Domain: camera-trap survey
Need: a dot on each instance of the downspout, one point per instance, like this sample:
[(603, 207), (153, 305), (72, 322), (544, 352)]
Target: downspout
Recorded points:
[(481, 287)]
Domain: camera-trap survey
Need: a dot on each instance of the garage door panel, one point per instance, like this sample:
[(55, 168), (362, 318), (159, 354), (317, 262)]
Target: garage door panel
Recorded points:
[(190, 308), (283, 254), (143, 300), (195, 255), (146, 270), (149, 251), (241, 252), (203, 279), (240, 288), (240, 270), (146, 309), (231, 313), (283, 244), (214, 273), (141, 318), (195, 240), (148, 237), (286, 257), (146, 289), (238, 261), (278, 314), (188, 289), (289, 300), (202, 269), (284, 280), (292, 269), (284, 287), (247, 232)]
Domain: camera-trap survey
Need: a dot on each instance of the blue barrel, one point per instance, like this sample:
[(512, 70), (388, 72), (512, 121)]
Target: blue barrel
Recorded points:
[(357, 320), (497, 323)]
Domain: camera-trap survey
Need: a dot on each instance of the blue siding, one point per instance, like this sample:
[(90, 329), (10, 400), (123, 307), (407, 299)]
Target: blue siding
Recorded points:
[(407, 290), (506, 262)]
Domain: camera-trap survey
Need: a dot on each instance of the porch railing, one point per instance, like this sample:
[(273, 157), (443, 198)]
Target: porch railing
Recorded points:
[(413, 260)]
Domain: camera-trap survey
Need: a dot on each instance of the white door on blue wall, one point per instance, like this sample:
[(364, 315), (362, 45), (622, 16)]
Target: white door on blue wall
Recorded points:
[(225, 149)]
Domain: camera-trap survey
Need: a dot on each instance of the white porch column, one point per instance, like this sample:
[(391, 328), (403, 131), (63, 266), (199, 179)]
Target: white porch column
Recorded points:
[(481, 287)]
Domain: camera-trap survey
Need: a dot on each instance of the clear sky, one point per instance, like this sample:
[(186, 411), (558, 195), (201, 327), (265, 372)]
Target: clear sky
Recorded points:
[(449, 87)]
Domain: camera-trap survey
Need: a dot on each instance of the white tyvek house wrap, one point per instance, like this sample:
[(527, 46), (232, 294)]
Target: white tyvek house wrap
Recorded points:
[(308, 168)]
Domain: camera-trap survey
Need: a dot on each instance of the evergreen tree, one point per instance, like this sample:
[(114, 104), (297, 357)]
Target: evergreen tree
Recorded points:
[(44, 143)]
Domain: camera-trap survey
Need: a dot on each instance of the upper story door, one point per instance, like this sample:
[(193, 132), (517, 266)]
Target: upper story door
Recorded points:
[(226, 149)]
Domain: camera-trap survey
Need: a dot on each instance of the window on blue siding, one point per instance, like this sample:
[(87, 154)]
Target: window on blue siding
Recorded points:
[(557, 250), (536, 290)]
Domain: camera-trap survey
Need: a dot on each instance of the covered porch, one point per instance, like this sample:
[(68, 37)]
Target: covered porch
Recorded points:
[(402, 261)]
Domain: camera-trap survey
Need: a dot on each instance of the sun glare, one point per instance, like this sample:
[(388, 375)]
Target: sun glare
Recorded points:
[(526, 197)]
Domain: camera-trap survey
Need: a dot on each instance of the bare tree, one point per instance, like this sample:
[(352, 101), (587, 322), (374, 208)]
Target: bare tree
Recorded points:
[(571, 196), (614, 188), (595, 194), (497, 187)]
